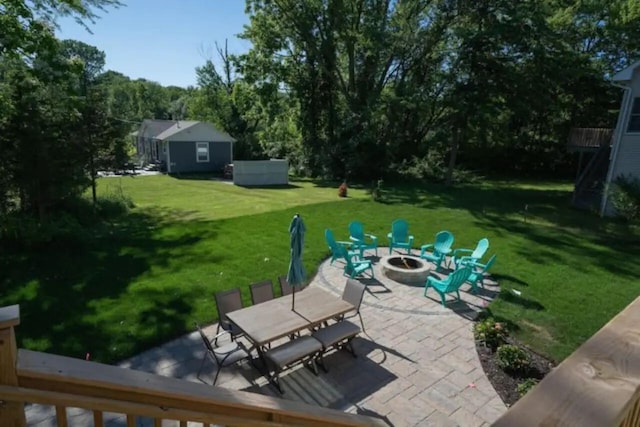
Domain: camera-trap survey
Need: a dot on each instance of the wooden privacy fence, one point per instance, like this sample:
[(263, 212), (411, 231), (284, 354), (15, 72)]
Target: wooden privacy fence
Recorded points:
[(597, 386), (63, 382)]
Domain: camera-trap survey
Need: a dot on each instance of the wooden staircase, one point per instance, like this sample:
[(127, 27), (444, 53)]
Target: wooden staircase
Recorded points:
[(589, 186)]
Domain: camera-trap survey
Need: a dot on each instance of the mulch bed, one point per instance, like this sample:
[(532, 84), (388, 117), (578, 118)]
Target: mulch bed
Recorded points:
[(505, 384)]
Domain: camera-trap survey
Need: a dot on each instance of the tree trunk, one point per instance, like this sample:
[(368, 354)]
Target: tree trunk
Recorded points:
[(455, 143), (92, 168)]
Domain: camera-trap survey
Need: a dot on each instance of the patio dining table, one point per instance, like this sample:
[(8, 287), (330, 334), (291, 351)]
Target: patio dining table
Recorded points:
[(268, 321)]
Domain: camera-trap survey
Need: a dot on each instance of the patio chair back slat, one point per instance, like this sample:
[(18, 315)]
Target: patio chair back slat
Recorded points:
[(261, 291), (226, 302), (285, 287), (353, 294)]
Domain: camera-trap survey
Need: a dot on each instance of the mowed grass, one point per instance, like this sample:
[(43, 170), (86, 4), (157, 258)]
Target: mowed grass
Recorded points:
[(203, 198), (142, 280)]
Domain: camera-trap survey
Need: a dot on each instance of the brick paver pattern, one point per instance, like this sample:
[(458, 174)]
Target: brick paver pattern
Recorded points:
[(417, 364)]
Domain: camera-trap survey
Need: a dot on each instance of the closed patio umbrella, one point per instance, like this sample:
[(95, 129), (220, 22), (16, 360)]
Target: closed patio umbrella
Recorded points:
[(296, 274)]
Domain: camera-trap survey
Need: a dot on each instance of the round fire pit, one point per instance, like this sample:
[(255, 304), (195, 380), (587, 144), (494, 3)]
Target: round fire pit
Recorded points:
[(405, 269)]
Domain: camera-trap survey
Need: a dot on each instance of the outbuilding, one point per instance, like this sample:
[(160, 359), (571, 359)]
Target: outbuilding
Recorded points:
[(183, 146)]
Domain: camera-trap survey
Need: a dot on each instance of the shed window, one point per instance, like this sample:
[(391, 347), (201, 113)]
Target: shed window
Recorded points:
[(634, 119), (202, 152)]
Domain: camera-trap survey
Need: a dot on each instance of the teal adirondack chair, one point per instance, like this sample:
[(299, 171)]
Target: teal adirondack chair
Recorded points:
[(335, 246), (399, 236), (475, 254), (477, 274), (361, 240), (449, 285), (353, 266), (436, 252)]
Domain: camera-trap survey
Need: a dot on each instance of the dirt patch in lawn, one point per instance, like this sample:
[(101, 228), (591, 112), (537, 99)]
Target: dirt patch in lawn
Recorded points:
[(506, 385)]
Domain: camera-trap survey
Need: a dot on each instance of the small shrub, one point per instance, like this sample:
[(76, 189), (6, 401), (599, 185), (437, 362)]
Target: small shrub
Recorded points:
[(376, 191), (489, 332), (342, 190), (513, 359), (526, 385), (113, 205), (432, 167), (71, 223), (60, 227), (625, 196)]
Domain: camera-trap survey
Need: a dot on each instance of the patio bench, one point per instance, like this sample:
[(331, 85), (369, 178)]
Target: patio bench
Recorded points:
[(337, 335), (290, 353)]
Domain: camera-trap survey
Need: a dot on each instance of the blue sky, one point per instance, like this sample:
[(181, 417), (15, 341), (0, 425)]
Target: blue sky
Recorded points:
[(163, 40)]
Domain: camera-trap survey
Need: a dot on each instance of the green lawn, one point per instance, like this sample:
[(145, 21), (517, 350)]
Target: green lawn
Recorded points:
[(141, 281)]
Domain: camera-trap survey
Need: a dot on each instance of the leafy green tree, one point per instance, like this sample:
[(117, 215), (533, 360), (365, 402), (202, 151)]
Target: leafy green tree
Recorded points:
[(231, 103), (41, 91)]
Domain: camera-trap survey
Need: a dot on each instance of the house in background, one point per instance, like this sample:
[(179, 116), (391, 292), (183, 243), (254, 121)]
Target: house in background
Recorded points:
[(609, 153), (625, 147), (182, 146)]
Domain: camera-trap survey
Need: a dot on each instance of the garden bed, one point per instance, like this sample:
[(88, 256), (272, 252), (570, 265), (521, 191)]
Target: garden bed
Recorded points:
[(511, 385)]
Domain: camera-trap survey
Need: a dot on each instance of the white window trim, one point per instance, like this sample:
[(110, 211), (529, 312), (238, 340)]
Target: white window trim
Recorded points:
[(631, 116), (198, 145)]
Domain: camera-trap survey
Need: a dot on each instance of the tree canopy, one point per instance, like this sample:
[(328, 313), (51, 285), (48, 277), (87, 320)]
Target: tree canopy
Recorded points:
[(345, 89)]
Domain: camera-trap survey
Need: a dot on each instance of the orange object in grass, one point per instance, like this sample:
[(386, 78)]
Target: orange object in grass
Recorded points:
[(342, 190)]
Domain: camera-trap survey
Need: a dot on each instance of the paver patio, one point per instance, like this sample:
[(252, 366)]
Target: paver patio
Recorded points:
[(416, 364)]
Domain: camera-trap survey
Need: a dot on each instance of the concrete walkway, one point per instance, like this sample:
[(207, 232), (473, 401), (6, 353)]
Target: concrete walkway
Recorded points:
[(416, 364)]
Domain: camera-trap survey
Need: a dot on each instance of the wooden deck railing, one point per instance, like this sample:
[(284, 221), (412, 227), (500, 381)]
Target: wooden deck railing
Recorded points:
[(589, 137), (63, 382), (597, 386)]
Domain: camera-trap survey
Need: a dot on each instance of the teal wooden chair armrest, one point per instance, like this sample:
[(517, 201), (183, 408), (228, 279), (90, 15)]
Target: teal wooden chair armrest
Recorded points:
[(475, 254), (472, 263), (462, 251), (468, 261), (424, 248), (370, 236)]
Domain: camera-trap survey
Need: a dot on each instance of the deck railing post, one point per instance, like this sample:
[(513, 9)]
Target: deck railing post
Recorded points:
[(11, 413)]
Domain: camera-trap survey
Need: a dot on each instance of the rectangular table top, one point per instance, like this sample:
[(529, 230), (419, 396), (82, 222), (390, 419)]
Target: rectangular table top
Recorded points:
[(270, 320)]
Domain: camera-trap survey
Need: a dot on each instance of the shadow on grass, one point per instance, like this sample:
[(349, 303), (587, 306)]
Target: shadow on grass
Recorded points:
[(270, 187), (197, 176), (516, 210), (527, 303), (218, 177), (78, 298), (506, 278)]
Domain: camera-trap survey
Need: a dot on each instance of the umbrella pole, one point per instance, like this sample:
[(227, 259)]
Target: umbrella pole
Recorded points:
[(293, 299)]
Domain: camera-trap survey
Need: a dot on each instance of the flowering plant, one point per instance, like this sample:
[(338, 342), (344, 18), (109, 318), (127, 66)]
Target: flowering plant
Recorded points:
[(489, 332)]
